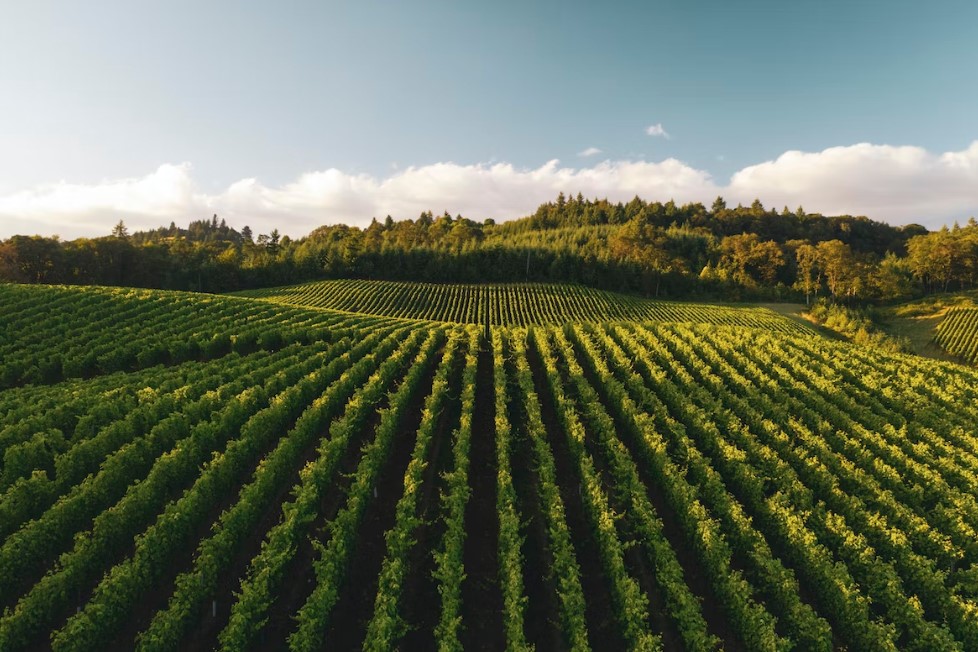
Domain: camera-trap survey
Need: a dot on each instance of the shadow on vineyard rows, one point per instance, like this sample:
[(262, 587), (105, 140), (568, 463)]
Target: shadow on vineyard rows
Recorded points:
[(347, 623), (294, 593), (214, 614), (542, 612), (601, 624), (696, 579), (151, 601), (420, 589), (635, 560), (299, 566), (482, 602)]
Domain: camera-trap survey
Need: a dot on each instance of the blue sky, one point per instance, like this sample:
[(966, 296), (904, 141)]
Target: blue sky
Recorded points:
[(294, 114)]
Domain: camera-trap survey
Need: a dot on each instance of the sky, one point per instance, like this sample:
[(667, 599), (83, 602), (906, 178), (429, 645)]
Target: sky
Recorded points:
[(293, 114)]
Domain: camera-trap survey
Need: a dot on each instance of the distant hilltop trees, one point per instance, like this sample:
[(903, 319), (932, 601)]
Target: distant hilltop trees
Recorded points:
[(654, 248)]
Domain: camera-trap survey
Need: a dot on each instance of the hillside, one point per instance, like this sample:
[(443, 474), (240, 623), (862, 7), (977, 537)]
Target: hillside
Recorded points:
[(520, 304), (185, 471), (50, 333), (938, 326), (957, 333)]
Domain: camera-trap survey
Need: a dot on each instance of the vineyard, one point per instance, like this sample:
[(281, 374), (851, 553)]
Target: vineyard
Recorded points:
[(958, 334), (49, 333), (508, 304), (189, 472)]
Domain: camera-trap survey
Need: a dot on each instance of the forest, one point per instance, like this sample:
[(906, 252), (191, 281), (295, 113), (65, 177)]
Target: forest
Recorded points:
[(652, 248)]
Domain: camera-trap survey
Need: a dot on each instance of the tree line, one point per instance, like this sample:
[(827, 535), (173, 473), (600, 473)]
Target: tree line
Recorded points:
[(654, 248)]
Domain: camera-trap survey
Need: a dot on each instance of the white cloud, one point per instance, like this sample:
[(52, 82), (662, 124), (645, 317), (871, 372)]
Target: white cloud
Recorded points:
[(590, 151), (895, 184), (501, 191), (79, 209), (657, 130)]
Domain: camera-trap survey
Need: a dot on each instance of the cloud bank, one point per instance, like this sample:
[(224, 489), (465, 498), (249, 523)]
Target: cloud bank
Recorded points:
[(894, 184)]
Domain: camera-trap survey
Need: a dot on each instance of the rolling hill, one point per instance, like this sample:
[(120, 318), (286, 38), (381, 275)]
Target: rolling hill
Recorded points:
[(518, 304), (186, 471)]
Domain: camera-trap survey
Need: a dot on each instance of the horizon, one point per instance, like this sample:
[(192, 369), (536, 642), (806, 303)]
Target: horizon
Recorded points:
[(238, 228), (321, 114)]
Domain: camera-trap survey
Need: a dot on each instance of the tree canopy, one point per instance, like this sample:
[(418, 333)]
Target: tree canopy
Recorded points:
[(655, 248)]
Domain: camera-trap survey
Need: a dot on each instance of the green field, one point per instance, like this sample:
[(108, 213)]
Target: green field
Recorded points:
[(354, 465), (519, 304), (956, 334), (939, 326)]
